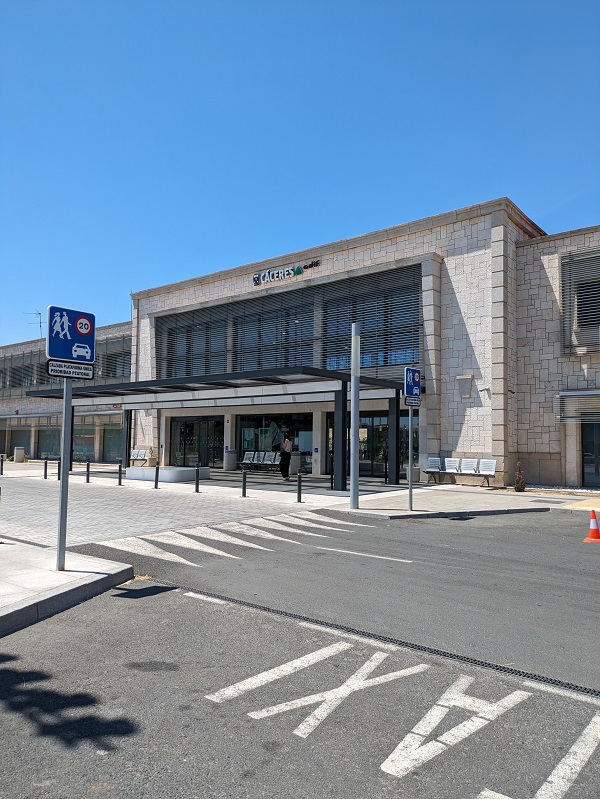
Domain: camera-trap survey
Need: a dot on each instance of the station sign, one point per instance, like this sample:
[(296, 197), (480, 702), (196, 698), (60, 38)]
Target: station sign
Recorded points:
[(71, 335), (412, 387), (75, 371), (273, 275)]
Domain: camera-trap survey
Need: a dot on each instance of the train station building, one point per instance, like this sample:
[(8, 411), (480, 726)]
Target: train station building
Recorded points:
[(503, 320)]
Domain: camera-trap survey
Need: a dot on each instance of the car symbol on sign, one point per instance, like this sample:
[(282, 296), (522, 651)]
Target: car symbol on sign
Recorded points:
[(83, 350)]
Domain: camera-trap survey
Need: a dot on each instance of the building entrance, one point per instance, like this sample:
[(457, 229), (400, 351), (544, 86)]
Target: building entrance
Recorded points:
[(590, 446), (197, 440)]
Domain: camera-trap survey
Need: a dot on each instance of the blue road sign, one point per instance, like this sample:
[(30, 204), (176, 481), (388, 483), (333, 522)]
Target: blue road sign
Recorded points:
[(412, 382), (71, 335)]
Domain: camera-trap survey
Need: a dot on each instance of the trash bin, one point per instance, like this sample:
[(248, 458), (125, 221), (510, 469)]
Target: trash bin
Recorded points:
[(19, 454), (230, 460)]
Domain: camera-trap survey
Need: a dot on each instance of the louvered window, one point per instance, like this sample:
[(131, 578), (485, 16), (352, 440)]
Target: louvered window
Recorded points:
[(305, 326), (580, 299)]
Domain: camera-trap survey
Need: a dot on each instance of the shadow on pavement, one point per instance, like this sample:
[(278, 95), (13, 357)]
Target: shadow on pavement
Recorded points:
[(51, 712), (142, 593)]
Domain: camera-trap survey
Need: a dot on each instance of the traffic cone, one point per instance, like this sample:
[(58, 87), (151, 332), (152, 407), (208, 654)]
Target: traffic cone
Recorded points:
[(594, 536)]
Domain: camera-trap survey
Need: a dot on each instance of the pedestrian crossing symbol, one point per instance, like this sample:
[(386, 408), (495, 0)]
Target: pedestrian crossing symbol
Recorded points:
[(71, 335)]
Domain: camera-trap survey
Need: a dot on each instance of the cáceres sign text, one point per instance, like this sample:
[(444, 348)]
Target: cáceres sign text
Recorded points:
[(273, 275)]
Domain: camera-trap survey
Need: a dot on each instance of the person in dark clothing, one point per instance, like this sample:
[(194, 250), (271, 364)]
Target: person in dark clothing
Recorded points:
[(286, 456)]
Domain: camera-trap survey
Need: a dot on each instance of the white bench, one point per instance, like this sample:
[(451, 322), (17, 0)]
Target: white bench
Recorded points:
[(142, 455), (473, 467)]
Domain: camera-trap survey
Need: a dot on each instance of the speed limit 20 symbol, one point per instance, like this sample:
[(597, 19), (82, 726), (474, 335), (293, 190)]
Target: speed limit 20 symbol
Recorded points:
[(83, 326)]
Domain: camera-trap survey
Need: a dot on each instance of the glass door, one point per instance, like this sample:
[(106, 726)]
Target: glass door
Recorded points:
[(197, 440), (590, 445)]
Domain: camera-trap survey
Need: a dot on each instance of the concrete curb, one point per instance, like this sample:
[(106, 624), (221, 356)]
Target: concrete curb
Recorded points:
[(47, 603), (441, 514)]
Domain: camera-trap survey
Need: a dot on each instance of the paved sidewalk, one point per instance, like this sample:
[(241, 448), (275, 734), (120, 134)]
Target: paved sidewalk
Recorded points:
[(31, 589)]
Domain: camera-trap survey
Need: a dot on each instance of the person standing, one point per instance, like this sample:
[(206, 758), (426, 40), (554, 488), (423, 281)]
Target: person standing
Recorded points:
[(286, 456)]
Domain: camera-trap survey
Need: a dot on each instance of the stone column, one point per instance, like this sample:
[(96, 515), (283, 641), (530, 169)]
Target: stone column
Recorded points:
[(500, 254), (431, 358)]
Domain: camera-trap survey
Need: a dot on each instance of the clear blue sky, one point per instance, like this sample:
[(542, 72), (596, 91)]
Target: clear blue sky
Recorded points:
[(148, 141)]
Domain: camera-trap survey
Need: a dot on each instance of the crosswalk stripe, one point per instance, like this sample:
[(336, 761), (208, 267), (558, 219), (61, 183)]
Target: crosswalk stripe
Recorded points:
[(288, 517), (215, 535), (246, 529), (273, 525), (140, 547), (308, 514), (183, 541)]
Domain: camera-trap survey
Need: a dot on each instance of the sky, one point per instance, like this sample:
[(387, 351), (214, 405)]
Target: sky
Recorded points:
[(143, 142)]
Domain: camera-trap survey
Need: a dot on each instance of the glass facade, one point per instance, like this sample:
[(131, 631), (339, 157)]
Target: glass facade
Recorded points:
[(197, 440)]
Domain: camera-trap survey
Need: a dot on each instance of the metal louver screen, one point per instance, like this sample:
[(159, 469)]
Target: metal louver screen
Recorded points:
[(578, 407), (580, 301), (26, 371), (306, 326)]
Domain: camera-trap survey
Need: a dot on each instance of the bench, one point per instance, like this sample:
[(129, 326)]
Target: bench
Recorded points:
[(260, 460), (462, 467), (143, 455)]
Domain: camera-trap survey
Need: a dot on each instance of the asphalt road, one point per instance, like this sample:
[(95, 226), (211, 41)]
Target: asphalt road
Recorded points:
[(150, 692), (520, 590)]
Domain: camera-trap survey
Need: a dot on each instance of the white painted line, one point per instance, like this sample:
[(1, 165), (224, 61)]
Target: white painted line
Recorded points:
[(270, 524), (140, 547), (178, 540), (245, 529), (330, 700), (566, 772), (363, 554), (341, 634), (215, 535), (303, 522), (205, 598), (592, 700), (308, 514), (265, 677)]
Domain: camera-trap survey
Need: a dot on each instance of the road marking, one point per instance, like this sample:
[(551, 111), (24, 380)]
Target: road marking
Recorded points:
[(284, 529), (245, 529), (328, 701), (205, 598), (363, 554), (569, 768), (140, 547), (303, 522), (341, 634), (308, 514), (215, 535), (562, 692), (178, 540), (413, 752), (265, 677)]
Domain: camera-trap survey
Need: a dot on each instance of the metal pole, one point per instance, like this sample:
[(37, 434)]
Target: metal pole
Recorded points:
[(244, 473), (156, 476), (354, 414), (58, 472), (1, 465), (299, 490), (87, 471), (63, 472), (120, 473), (197, 487), (45, 468), (410, 456)]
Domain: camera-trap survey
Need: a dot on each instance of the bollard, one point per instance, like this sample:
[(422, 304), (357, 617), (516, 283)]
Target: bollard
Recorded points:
[(299, 490), (197, 486), (331, 478), (1, 465), (120, 473), (244, 473), (87, 471), (45, 468), (156, 476), (58, 473), (385, 473)]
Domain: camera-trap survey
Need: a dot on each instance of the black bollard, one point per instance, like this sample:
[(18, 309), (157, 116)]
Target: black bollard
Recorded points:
[(120, 473), (244, 473), (299, 489), (58, 473), (45, 468), (197, 486), (1, 465), (87, 471), (156, 476)]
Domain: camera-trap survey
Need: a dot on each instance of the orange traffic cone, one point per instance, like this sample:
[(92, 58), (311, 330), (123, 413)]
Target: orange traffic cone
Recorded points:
[(594, 536)]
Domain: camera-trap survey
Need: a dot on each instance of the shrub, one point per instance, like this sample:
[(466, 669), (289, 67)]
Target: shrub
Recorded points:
[(519, 478)]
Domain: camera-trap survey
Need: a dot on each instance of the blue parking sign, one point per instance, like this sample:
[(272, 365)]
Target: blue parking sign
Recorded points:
[(71, 335)]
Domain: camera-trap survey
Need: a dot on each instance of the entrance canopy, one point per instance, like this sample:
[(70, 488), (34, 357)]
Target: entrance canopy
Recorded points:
[(262, 387)]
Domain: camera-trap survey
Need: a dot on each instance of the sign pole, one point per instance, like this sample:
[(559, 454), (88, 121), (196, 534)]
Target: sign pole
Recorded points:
[(410, 457), (354, 414), (65, 457)]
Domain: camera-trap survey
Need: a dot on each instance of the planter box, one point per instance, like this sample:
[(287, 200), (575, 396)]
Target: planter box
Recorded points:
[(167, 474)]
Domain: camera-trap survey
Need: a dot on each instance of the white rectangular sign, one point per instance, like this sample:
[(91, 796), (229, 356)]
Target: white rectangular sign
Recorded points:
[(75, 371)]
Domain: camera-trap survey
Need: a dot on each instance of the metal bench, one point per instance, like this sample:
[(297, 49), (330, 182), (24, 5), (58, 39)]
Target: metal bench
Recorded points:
[(487, 469)]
